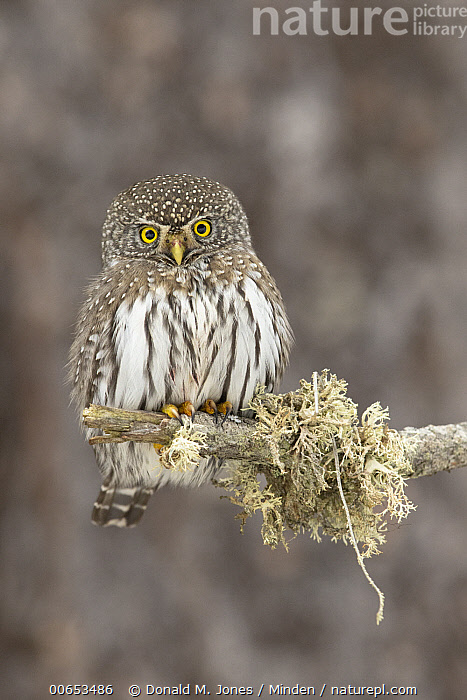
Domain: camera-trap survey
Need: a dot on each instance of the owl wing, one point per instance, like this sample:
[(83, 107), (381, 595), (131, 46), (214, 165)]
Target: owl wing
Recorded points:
[(91, 328)]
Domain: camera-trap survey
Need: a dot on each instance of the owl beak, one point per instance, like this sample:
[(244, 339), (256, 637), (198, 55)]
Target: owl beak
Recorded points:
[(177, 249)]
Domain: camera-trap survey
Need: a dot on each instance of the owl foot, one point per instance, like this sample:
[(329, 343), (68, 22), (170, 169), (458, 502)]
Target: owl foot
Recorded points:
[(186, 408), (225, 409)]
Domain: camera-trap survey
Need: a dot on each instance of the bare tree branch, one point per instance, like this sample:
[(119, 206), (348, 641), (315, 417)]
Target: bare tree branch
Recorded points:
[(435, 448)]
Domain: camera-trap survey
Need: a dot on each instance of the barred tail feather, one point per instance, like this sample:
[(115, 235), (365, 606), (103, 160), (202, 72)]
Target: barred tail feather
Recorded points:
[(122, 507)]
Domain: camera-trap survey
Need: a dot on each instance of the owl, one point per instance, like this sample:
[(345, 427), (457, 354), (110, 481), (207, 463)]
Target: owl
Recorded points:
[(183, 316)]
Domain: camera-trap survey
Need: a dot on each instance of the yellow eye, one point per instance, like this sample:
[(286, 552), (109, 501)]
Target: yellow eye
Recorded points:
[(148, 234), (202, 228)]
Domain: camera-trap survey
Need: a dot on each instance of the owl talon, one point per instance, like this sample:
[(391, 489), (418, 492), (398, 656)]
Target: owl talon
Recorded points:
[(225, 409), (210, 407), (187, 409), (172, 411)]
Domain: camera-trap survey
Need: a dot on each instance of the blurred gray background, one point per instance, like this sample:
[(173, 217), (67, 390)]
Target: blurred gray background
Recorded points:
[(349, 154)]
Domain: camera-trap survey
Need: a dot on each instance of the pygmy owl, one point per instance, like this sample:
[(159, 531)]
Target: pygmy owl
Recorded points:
[(182, 315)]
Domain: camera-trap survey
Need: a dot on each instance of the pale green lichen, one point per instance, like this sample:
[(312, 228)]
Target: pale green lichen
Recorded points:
[(183, 452), (301, 491)]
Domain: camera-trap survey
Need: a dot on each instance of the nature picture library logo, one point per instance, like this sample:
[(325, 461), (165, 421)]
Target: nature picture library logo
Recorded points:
[(420, 20)]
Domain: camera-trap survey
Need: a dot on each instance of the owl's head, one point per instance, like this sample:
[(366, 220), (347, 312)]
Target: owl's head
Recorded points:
[(175, 219)]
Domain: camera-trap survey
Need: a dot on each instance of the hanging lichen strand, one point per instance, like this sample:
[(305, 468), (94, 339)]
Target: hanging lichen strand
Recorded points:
[(301, 490)]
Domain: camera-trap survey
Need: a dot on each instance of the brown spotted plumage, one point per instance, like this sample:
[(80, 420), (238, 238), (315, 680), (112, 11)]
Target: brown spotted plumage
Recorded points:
[(182, 311)]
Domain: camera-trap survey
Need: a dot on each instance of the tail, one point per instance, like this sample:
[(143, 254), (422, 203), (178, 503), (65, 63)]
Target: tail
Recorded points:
[(122, 507)]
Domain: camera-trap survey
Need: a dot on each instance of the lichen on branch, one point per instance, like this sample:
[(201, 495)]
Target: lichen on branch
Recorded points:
[(281, 463), (301, 492)]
